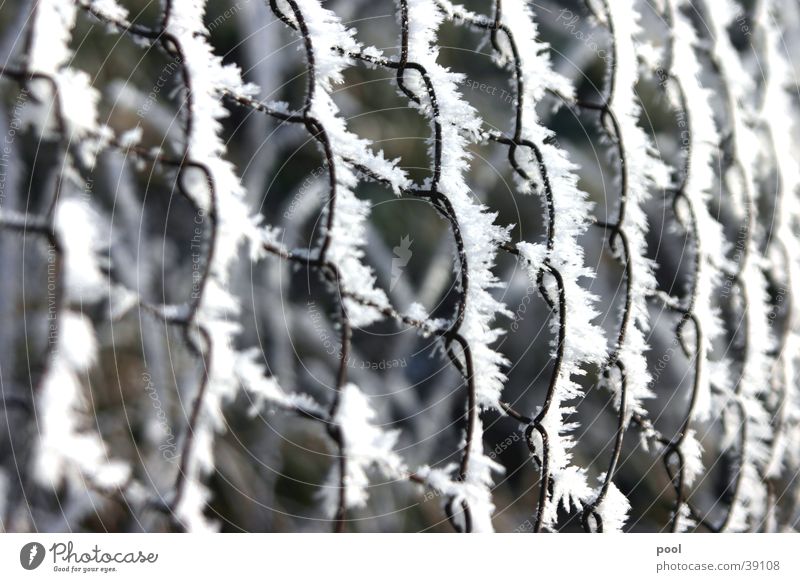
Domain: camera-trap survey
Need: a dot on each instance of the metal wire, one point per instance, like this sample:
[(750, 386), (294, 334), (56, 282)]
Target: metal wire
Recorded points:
[(457, 348)]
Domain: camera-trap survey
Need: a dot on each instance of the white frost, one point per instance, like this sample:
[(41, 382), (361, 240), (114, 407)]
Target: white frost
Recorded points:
[(366, 446)]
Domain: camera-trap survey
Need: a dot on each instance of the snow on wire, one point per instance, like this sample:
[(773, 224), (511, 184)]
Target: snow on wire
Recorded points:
[(755, 392)]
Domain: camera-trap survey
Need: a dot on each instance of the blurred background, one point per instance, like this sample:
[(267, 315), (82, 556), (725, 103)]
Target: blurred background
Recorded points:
[(270, 467)]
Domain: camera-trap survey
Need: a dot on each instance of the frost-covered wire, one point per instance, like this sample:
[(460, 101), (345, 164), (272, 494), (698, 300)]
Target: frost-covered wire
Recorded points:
[(65, 109)]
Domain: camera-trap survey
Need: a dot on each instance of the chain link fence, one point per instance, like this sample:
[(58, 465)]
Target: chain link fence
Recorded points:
[(287, 265)]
